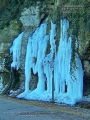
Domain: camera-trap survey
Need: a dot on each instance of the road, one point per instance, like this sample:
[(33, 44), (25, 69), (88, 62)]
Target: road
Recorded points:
[(16, 109)]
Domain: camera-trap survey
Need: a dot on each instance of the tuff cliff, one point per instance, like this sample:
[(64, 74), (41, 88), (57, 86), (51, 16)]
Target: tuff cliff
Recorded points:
[(19, 15)]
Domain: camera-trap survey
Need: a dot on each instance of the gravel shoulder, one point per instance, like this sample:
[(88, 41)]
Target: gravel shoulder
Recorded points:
[(17, 109)]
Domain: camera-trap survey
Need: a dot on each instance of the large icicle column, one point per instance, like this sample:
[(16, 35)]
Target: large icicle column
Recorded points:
[(40, 62), (68, 85)]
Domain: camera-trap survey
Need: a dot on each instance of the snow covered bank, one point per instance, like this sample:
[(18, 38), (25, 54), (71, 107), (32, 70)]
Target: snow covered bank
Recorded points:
[(68, 86)]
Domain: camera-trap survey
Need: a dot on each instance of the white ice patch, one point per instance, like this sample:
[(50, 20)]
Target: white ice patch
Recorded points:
[(16, 49), (68, 87)]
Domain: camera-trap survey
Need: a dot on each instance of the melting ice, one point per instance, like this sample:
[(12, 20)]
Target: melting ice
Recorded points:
[(68, 87)]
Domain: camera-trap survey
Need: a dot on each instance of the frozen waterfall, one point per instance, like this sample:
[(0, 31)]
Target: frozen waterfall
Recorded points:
[(68, 86)]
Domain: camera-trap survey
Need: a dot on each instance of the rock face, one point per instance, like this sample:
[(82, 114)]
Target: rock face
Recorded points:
[(29, 17)]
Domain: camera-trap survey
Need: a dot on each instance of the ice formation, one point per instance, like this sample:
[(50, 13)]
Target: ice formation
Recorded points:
[(68, 87), (15, 49), (1, 85)]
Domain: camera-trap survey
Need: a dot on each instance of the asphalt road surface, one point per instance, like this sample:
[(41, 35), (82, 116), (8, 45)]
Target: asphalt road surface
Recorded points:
[(15, 109)]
